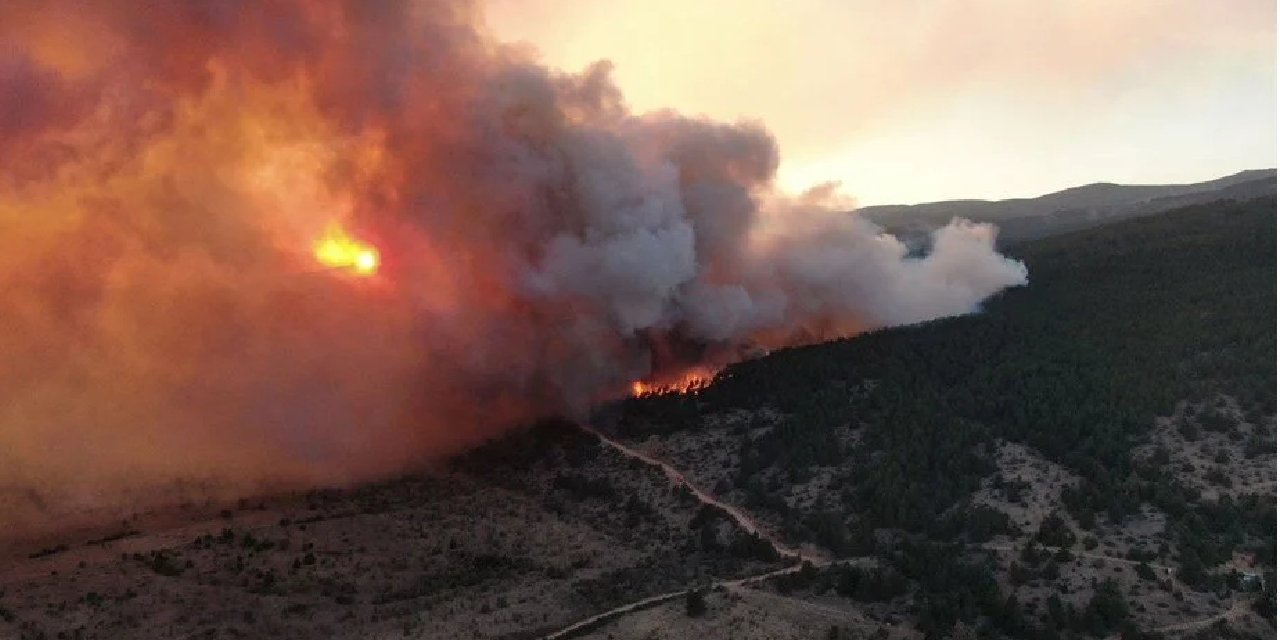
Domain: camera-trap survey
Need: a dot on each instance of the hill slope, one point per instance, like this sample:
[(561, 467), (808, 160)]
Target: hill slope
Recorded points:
[(1125, 396), (1073, 209), (1091, 454)]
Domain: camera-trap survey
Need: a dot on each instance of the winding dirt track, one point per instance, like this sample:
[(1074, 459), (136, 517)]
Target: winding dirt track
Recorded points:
[(749, 524), (616, 612), (1238, 608), (743, 520)]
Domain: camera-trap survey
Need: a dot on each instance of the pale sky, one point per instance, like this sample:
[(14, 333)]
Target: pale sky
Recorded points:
[(908, 101)]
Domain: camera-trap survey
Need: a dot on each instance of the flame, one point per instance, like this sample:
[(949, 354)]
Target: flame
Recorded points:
[(338, 250), (692, 380)]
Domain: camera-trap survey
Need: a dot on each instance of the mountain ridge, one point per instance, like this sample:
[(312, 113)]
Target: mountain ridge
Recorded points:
[(1070, 209)]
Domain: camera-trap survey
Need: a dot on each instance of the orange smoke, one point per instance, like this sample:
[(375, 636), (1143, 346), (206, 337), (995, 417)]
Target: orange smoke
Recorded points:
[(171, 174)]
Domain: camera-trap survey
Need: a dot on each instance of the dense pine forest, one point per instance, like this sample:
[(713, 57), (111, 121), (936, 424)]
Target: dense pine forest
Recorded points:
[(1119, 326)]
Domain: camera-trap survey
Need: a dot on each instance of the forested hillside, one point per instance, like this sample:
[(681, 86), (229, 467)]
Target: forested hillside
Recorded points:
[(1121, 325)]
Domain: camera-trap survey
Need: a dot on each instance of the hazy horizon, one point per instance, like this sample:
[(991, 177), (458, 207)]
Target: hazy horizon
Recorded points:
[(1038, 194), (987, 100)]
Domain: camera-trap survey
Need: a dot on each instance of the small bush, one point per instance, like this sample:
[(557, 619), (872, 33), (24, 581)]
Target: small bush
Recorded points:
[(695, 603)]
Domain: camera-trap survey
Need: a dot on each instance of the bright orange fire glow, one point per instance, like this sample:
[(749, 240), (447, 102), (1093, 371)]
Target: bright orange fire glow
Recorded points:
[(687, 382), (338, 250)]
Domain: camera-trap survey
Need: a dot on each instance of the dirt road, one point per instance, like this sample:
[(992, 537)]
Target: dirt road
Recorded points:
[(741, 518)]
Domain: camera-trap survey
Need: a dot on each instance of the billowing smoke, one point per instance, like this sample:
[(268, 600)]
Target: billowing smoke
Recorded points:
[(166, 169)]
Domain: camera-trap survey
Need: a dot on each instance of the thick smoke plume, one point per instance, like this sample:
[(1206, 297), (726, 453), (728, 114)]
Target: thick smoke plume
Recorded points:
[(167, 167)]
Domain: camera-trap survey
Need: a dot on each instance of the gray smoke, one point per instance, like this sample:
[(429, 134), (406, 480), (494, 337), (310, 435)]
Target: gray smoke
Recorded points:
[(163, 317)]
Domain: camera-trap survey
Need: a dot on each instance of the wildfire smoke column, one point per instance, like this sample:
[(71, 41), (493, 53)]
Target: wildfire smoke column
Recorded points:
[(259, 244)]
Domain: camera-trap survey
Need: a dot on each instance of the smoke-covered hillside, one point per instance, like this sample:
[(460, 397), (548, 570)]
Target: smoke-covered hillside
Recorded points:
[(1091, 454), (308, 242), (1122, 406)]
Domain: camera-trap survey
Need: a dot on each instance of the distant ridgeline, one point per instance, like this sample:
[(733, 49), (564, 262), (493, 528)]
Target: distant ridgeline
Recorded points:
[(1119, 324), (1092, 205)]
